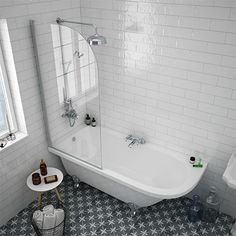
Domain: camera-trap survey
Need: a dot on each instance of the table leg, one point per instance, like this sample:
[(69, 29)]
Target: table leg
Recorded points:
[(40, 200), (58, 196)]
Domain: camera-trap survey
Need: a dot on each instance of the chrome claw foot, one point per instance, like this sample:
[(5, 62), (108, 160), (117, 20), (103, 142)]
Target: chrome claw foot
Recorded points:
[(133, 209), (76, 181)]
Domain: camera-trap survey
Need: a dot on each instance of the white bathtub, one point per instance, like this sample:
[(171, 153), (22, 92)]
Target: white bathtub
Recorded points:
[(143, 175)]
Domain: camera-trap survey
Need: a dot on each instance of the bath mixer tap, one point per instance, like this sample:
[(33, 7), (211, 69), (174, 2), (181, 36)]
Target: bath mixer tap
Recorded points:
[(131, 144), (134, 140), (129, 137)]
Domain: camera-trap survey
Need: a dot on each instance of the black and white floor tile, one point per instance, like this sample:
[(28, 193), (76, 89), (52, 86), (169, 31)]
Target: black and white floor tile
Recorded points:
[(91, 212)]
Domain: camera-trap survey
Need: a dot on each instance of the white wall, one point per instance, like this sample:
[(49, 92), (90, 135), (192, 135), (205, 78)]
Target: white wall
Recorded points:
[(169, 73), (17, 162)]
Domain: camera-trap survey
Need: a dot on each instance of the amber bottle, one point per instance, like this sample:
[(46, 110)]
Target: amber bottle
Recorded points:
[(43, 168)]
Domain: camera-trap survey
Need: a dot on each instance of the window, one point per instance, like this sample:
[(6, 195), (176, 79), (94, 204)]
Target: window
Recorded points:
[(7, 115)]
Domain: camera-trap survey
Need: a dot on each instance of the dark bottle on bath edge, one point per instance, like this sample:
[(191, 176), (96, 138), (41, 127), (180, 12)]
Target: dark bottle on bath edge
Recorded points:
[(94, 123), (87, 120)]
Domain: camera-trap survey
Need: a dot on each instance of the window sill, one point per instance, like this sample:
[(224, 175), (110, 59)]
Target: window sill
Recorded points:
[(19, 136)]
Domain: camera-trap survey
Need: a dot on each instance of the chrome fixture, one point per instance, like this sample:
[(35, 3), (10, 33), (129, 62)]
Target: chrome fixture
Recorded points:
[(78, 54), (76, 181), (70, 112), (133, 209), (129, 137), (95, 39), (134, 140)]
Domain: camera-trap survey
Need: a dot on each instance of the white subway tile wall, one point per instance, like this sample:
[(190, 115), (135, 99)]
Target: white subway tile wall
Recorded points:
[(168, 72), (21, 159)]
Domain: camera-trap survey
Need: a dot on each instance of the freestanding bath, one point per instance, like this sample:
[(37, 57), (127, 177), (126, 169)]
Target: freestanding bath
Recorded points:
[(142, 175)]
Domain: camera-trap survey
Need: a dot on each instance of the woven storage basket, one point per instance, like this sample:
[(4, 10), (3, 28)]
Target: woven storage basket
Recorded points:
[(56, 231)]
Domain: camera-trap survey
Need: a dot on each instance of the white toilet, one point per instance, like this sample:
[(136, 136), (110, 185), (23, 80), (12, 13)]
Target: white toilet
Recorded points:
[(229, 177)]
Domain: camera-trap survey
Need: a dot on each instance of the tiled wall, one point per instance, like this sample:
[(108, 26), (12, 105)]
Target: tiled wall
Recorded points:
[(169, 73), (17, 162)]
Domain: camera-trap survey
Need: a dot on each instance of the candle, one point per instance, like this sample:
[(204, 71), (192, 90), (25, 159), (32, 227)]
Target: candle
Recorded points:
[(8, 124)]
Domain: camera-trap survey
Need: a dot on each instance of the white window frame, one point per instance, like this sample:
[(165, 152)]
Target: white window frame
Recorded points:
[(8, 98)]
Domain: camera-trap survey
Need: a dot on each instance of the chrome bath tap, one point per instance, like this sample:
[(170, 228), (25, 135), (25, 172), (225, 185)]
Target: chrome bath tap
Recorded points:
[(134, 140)]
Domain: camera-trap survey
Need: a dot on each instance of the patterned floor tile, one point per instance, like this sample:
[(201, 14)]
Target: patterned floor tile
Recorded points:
[(90, 212)]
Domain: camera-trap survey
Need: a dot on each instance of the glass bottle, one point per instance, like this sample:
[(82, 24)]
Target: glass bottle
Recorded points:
[(87, 119), (43, 168), (211, 206), (94, 123), (195, 210)]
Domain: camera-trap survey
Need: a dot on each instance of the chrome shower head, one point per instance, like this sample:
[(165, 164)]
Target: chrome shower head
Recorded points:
[(96, 40)]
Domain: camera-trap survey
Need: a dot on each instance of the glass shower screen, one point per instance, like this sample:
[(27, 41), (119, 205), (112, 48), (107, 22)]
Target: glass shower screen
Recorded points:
[(69, 76)]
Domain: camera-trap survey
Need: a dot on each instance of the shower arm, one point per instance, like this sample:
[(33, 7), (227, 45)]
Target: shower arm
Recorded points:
[(60, 21)]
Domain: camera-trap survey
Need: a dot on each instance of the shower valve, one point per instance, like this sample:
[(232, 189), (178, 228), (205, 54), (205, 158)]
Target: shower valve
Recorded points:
[(70, 112)]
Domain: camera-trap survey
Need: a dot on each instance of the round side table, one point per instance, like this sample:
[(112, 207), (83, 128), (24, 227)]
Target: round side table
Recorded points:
[(41, 188)]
